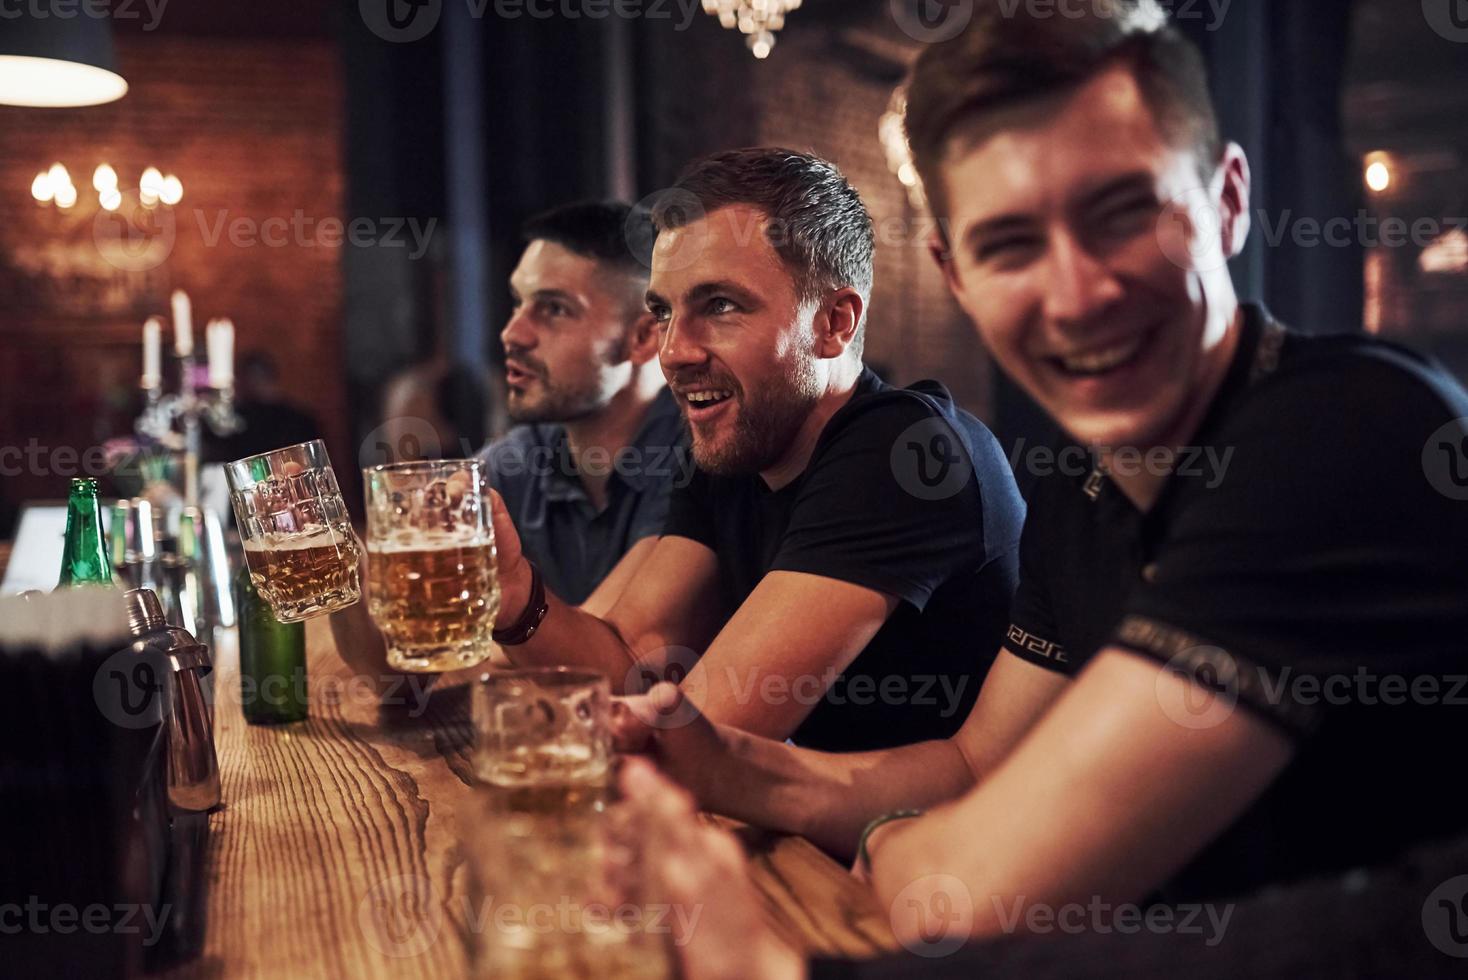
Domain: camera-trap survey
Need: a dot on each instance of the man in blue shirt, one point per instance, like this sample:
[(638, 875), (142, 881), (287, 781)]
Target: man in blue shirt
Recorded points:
[(588, 471)]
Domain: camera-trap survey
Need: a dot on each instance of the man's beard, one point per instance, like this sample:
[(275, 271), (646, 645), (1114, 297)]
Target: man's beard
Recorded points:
[(764, 428), (552, 403)]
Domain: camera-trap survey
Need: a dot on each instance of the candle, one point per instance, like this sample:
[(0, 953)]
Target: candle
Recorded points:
[(219, 338), (183, 324), (152, 346)]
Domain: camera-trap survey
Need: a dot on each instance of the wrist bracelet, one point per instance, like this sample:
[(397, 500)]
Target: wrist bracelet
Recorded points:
[(861, 847), (524, 627)]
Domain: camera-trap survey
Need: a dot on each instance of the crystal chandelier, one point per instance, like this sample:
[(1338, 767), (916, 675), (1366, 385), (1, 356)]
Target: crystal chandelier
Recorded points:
[(757, 20)]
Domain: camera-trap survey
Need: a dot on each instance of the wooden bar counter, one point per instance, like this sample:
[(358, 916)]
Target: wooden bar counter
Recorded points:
[(328, 822)]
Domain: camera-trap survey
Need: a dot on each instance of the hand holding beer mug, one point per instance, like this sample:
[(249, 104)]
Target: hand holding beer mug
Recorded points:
[(298, 542), (431, 582)]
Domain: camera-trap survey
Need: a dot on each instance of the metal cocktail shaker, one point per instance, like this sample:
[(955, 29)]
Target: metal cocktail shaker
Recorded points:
[(193, 767)]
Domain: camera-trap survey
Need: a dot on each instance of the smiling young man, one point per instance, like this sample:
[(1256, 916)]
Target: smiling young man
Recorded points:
[(845, 551), (1209, 685)]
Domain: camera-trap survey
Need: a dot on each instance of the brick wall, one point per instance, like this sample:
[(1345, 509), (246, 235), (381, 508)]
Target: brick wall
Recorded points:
[(253, 130), (706, 92)]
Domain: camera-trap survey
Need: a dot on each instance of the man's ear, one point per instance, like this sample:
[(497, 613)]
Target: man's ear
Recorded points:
[(1233, 199), (942, 256), (837, 321), (642, 339)]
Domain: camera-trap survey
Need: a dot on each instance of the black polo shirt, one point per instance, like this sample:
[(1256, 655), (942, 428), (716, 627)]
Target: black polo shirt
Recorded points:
[(906, 494), (1309, 559)]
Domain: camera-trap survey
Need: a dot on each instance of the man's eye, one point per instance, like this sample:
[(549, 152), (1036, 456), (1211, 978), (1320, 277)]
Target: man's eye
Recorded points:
[(718, 306), (1128, 217), (553, 308), (660, 313), (1009, 249)]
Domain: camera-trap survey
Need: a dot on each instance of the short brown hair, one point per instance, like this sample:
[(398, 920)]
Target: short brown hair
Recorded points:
[(1006, 56), (818, 224)]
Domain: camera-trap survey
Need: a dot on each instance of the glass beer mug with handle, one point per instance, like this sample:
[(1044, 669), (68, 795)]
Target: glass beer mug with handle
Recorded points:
[(432, 585), (298, 541)]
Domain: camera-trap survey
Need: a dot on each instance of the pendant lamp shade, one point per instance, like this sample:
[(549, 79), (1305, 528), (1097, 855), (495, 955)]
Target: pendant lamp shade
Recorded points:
[(50, 61)]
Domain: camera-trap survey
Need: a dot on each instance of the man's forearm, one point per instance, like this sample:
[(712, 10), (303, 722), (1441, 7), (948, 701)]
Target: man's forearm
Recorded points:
[(825, 797), (571, 637)]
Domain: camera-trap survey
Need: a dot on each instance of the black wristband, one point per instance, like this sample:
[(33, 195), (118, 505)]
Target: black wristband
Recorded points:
[(524, 627)]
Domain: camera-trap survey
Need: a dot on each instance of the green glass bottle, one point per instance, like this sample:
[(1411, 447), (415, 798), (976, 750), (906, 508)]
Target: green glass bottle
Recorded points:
[(272, 659), (84, 558)]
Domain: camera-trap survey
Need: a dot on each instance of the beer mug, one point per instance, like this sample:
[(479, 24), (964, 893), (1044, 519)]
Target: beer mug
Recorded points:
[(543, 728), (432, 586), (545, 838), (299, 545)]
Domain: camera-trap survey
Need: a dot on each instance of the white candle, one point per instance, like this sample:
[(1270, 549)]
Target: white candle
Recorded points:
[(219, 338), (183, 324), (152, 348)]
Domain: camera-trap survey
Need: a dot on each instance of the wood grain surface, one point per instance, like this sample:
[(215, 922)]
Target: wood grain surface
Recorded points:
[(341, 847)]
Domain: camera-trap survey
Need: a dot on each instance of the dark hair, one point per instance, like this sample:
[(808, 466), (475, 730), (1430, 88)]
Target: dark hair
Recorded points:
[(1004, 58), (609, 231), (817, 222)]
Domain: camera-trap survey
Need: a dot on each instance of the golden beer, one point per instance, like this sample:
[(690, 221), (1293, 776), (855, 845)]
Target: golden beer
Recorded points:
[(435, 597), (302, 575)]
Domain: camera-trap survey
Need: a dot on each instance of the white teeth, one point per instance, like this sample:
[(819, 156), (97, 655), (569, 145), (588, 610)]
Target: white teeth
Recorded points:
[(703, 397), (1103, 360)]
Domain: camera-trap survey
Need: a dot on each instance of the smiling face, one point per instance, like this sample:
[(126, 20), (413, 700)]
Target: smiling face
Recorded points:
[(738, 345), (567, 340), (1093, 262)]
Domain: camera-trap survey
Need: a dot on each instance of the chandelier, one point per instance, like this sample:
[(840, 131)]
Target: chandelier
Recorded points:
[(54, 186), (757, 20)]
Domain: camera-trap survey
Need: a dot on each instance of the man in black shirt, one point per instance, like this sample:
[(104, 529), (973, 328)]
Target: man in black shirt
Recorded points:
[(1238, 640), (844, 545)]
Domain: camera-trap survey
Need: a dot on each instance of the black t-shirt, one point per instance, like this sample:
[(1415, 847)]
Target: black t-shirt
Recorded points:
[(905, 494), (1309, 559)]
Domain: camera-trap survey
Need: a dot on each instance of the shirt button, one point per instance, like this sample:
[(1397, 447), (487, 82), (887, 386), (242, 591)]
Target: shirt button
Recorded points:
[(1149, 572)]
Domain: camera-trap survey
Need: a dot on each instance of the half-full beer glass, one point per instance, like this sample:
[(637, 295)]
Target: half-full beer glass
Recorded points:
[(546, 840), (299, 545), (432, 587)]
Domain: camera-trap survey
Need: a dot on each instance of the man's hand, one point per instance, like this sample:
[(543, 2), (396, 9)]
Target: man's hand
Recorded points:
[(665, 726), (510, 562), (702, 872)]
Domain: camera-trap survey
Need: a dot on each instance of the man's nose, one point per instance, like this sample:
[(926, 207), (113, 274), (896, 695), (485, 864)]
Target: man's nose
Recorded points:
[(681, 347), (1077, 286), (518, 332)]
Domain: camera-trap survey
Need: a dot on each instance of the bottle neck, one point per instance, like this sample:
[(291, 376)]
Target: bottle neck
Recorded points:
[(84, 559)]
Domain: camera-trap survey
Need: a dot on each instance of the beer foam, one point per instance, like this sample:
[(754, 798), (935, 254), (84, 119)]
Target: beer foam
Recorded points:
[(317, 537), (416, 540)]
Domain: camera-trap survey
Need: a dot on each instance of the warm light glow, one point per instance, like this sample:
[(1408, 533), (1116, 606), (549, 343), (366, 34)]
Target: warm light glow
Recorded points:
[(151, 181), (758, 19), (58, 176), (111, 198), (65, 196), (104, 178), (41, 187), (52, 83), (172, 191), (1378, 176), (1448, 255)]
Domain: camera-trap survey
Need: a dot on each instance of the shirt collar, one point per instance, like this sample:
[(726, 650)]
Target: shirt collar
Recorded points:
[(660, 453)]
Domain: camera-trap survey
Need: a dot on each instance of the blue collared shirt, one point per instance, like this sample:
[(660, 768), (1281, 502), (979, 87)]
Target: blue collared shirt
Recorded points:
[(572, 543)]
